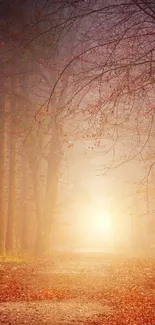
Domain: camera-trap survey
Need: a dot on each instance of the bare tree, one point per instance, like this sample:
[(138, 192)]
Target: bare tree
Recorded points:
[(90, 73)]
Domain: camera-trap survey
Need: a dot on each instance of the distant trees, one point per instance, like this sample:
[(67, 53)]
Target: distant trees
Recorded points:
[(30, 56), (21, 69), (91, 63)]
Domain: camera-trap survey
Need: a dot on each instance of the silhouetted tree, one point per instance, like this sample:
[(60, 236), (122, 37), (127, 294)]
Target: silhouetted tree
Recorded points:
[(2, 166)]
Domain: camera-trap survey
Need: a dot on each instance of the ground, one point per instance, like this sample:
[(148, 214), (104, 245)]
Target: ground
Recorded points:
[(82, 288)]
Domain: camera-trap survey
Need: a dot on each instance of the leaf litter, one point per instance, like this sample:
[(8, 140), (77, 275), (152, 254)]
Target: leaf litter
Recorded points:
[(78, 289)]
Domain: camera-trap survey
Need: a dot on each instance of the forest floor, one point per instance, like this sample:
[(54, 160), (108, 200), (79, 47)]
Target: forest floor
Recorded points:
[(76, 289)]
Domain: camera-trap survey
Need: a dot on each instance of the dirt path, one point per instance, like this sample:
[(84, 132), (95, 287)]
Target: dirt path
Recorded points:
[(78, 289), (51, 313)]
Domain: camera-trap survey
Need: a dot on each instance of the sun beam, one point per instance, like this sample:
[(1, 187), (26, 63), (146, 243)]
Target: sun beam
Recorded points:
[(96, 227), (100, 223)]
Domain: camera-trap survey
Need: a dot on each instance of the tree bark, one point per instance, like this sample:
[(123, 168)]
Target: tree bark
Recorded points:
[(2, 170), (12, 222)]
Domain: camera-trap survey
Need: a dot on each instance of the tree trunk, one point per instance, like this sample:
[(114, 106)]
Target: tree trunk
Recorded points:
[(12, 222), (39, 242), (2, 170), (52, 185), (24, 233)]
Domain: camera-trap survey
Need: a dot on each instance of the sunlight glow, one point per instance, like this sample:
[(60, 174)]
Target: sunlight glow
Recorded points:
[(100, 224), (97, 227)]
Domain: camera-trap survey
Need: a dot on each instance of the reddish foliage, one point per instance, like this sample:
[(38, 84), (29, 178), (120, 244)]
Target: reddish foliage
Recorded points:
[(127, 286)]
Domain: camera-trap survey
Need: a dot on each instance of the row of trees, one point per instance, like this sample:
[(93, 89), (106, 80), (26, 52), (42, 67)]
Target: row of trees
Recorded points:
[(31, 134), (63, 62)]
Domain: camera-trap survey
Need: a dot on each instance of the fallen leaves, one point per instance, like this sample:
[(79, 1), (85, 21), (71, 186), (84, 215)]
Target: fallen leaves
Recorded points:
[(125, 285)]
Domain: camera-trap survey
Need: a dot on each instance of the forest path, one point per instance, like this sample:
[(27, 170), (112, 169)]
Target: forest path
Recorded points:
[(78, 289)]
